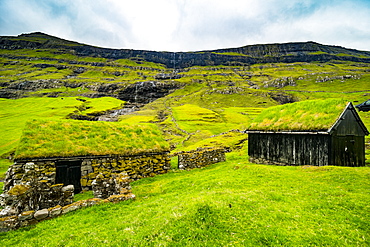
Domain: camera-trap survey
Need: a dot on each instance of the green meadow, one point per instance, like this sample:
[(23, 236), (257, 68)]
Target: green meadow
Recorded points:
[(234, 203)]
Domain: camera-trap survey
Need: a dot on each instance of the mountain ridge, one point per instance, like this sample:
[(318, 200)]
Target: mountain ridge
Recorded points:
[(245, 55)]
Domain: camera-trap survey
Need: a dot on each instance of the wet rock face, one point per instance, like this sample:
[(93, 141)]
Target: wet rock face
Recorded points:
[(146, 92), (283, 98)]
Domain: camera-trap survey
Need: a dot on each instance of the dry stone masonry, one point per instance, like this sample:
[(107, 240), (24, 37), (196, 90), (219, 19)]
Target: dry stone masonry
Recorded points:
[(28, 204), (116, 185), (32, 217), (32, 192), (136, 167), (35, 196), (200, 158)]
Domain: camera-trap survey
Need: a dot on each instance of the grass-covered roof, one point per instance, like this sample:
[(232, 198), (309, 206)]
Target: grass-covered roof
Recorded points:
[(312, 115), (60, 138)]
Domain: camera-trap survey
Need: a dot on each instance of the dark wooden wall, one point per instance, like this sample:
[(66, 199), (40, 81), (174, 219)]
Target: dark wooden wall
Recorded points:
[(307, 149), (348, 151), (290, 149)]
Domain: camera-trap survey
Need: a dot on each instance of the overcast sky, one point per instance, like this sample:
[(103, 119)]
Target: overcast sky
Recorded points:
[(191, 25)]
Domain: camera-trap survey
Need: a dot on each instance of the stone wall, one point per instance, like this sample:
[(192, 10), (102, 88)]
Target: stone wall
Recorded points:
[(34, 196), (27, 172), (200, 157), (32, 217), (116, 185), (29, 204), (138, 166)]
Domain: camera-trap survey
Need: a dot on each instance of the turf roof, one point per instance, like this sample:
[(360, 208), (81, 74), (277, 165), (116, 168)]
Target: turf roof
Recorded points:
[(60, 138), (312, 115)]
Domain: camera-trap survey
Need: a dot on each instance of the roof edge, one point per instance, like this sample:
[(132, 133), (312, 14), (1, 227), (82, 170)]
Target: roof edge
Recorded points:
[(351, 108), (31, 159), (286, 132)]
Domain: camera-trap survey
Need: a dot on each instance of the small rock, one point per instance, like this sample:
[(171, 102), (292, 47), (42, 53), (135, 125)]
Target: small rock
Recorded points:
[(41, 214)]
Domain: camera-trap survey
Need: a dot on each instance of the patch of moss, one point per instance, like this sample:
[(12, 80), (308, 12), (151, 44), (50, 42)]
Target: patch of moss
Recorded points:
[(18, 190)]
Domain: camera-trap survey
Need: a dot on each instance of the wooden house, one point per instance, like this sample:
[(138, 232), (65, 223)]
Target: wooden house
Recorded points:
[(320, 132)]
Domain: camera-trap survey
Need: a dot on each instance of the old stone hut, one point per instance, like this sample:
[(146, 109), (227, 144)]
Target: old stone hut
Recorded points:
[(76, 152), (319, 132)]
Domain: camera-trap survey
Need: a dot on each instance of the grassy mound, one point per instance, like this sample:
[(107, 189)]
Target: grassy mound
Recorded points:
[(54, 138), (315, 115)]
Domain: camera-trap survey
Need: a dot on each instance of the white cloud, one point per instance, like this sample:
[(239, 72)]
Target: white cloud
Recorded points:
[(184, 25)]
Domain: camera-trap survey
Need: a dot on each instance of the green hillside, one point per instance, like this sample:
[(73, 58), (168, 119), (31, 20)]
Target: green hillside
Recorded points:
[(206, 99), (197, 106)]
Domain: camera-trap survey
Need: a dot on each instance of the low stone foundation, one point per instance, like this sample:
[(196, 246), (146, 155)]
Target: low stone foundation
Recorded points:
[(34, 196), (32, 217), (200, 157)]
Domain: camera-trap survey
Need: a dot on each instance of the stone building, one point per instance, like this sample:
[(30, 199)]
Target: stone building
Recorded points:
[(76, 152)]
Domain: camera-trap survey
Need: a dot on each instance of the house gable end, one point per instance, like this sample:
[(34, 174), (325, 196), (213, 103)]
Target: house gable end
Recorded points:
[(349, 123)]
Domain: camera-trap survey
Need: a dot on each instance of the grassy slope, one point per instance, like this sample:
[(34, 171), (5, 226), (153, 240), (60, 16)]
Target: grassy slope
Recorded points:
[(234, 203), (15, 113)]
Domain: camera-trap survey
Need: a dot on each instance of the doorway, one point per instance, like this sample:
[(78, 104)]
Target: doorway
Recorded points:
[(349, 151), (69, 172)]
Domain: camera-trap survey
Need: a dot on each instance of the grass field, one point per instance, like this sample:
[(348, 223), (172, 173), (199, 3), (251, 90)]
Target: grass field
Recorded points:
[(233, 203)]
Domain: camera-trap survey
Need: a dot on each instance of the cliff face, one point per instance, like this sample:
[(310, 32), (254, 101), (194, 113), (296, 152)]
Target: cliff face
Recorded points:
[(252, 54)]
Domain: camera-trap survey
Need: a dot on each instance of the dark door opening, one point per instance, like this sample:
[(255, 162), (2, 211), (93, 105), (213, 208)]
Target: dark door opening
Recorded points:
[(347, 151), (69, 172)]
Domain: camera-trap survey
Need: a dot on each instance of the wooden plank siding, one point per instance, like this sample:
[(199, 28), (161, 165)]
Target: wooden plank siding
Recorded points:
[(348, 151), (306, 149), (289, 149), (343, 144)]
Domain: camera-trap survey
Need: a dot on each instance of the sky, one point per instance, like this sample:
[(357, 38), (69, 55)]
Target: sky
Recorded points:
[(191, 25)]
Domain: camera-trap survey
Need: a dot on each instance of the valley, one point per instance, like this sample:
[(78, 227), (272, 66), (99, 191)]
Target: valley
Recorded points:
[(197, 99)]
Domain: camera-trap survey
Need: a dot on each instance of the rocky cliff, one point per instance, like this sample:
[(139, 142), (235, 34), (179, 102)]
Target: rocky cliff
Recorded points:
[(251, 54)]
